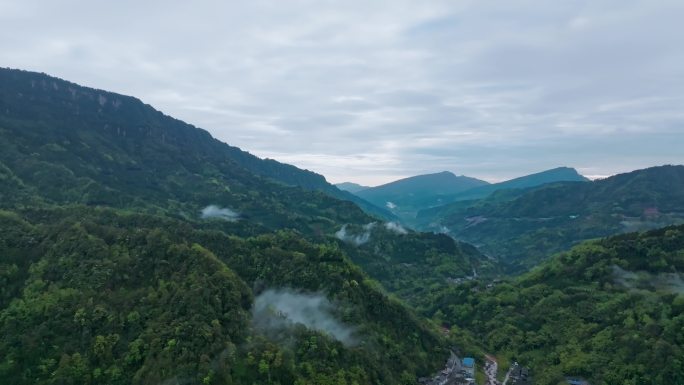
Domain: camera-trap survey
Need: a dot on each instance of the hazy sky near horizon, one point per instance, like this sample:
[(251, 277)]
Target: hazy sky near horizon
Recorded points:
[(371, 91)]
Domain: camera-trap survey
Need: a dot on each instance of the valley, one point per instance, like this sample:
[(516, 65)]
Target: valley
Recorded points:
[(137, 249)]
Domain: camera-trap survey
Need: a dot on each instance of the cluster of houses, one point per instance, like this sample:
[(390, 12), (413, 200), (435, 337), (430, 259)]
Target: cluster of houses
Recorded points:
[(462, 372)]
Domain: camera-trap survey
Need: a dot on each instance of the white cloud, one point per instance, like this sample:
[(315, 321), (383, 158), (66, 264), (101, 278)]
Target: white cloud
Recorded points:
[(275, 310), (213, 211), (356, 239), (395, 228)]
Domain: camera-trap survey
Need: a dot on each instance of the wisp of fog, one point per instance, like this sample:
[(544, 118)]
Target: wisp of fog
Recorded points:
[(671, 282), (226, 214), (395, 228), (275, 310), (356, 239)]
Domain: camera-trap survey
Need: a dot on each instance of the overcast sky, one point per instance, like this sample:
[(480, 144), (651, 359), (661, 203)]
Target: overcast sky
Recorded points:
[(371, 91)]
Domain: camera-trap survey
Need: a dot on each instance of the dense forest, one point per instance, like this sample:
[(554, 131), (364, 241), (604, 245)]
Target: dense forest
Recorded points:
[(610, 310), (99, 296)]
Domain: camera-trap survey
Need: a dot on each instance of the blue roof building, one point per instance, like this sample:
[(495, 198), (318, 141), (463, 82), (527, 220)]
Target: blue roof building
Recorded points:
[(469, 367)]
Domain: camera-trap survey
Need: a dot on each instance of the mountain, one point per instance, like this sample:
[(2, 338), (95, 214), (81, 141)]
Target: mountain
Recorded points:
[(405, 196), (506, 190), (408, 263), (293, 176), (125, 144), (97, 147), (67, 144), (524, 226), (135, 248), (101, 296), (610, 311), (559, 174), (351, 187)]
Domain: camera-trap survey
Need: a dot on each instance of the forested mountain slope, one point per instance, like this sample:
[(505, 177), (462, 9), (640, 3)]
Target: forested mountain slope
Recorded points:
[(135, 248), (64, 144), (522, 227), (611, 311), (97, 147), (95, 296), (409, 263)]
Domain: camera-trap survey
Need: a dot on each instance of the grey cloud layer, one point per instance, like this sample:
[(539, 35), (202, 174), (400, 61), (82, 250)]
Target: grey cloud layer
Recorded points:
[(371, 92)]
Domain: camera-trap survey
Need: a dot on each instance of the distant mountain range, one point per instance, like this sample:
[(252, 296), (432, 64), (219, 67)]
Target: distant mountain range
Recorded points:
[(406, 197), (523, 226), (559, 174), (411, 194)]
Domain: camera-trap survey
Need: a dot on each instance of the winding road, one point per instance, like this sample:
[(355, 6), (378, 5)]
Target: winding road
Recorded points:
[(491, 368)]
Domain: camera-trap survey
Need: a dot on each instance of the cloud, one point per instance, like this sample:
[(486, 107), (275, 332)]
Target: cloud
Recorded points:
[(395, 228), (369, 226), (358, 238), (217, 212), (670, 282), (389, 88), (355, 239), (275, 311)]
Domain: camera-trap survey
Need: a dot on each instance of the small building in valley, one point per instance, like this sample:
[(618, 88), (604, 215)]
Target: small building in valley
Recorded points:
[(469, 366)]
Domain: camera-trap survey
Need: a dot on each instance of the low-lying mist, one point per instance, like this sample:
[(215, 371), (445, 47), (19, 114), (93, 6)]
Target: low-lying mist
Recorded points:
[(671, 282), (356, 239), (395, 228), (276, 311), (224, 213), (359, 238)]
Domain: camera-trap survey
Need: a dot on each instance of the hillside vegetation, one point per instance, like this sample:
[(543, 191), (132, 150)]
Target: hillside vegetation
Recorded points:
[(66, 144), (611, 311), (95, 296), (523, 227), (137, 249)]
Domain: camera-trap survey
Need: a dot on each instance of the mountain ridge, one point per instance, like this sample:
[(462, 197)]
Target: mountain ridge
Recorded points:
[(554, 175), (526, 225), (65, 145), (148, 123), (405, 196), (351, 187)]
